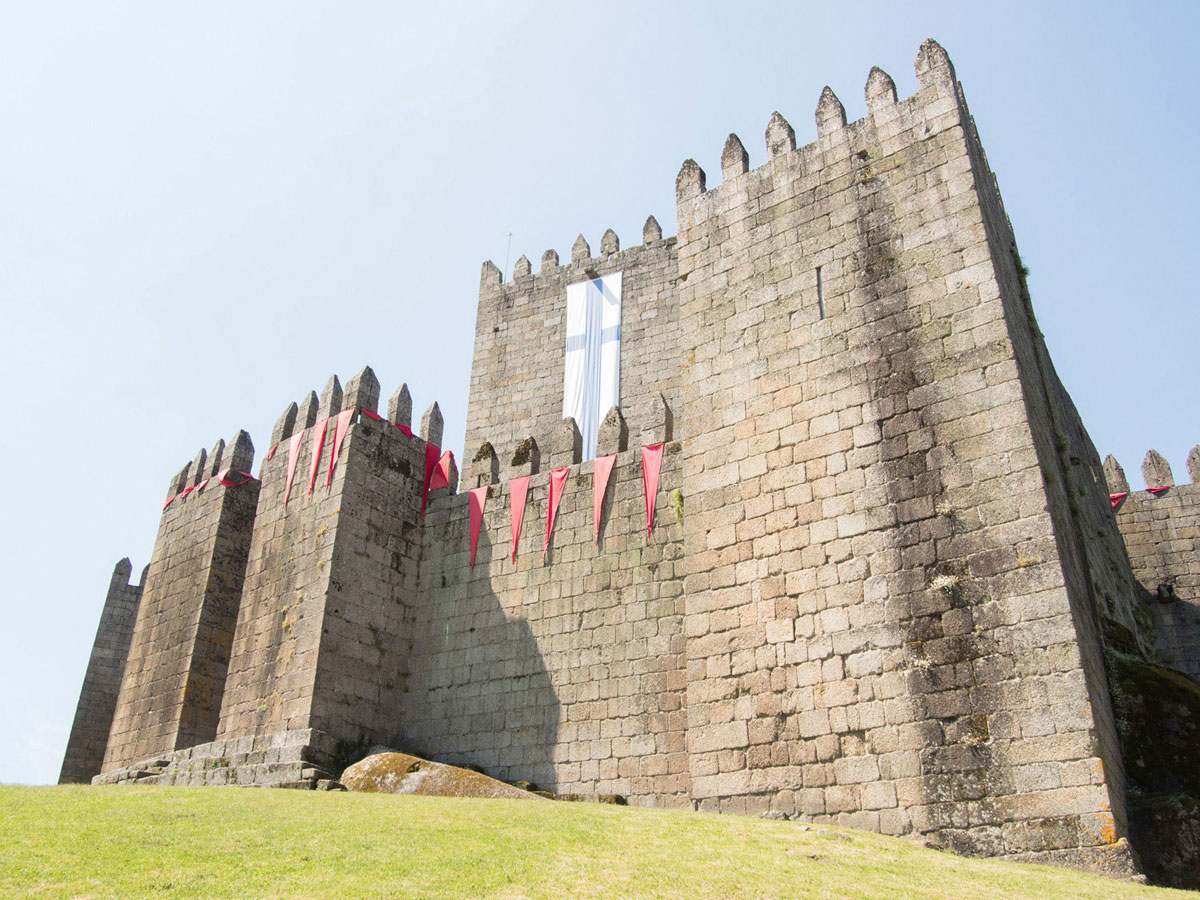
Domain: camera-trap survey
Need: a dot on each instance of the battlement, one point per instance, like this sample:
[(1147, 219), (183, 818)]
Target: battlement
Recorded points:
[(889, 125), (1160, 526), (561, 445), (1156, 471), (581, 261)]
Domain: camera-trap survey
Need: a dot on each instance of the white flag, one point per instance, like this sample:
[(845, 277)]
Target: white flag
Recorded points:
[(592, 374)]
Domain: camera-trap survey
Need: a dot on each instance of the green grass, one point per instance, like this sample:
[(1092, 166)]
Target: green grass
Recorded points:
[(129, 842)]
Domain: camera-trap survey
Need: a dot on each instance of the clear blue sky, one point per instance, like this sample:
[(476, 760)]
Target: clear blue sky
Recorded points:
[(206, 209)]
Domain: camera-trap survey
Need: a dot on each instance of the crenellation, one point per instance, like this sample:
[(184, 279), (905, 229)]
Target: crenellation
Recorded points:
[(285, 425), (830, 114), (215, 456), (1156, 471), (614, 433), (306, 416), (198, 469), (485, 465), (580, 251), (780, 136), (567, 446), (880, 92), (431, 425), (1114, 476), (400, 407), (331, 399), (690, 181), (735, 160), (526, 458), (888, 577), (362, 391), (934, 70), (239, 453), (180, 480)]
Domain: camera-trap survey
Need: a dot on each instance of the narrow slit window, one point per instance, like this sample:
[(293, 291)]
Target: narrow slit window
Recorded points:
[(820, 293)]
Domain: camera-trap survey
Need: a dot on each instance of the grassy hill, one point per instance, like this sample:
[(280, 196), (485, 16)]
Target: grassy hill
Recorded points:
[(129, 842)]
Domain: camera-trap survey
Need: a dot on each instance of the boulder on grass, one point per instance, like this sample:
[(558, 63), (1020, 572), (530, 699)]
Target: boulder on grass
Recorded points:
[(399, 773)]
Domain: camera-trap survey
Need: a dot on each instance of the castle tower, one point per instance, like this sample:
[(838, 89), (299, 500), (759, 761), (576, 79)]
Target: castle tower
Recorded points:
[(319, 656), (102, 680), (170, 694), (870, 408)]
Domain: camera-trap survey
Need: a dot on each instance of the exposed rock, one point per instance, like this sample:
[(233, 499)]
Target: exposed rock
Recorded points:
[(399, 773)]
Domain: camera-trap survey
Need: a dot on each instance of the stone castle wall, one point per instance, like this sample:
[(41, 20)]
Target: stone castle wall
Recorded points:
[(84, 758), (520, 330), (863, 394), (322, 638), (174, 679), (566, 671), (1162, 533)]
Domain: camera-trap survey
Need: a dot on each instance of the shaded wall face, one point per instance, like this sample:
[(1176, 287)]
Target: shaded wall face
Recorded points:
[(520, 340), (879, 631), (567, 672), (1162, 534), (174, 678), (102, 681)]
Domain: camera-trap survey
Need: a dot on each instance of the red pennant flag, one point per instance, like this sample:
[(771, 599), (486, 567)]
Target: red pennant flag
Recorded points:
[(201, 485), (558, 482), (318, 444), (432, 454), (477, 499), (1117, 498), (223, 477), (600, 474), (518, 490), (293, 458), (404, 430), (441, 474), (187, 490), (339, 432), (651, 464), (170, 500), (1157, 490), (371, 414), (271, 452)]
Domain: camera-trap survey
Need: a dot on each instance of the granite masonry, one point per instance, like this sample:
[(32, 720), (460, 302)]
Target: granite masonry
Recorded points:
[(886, 586)]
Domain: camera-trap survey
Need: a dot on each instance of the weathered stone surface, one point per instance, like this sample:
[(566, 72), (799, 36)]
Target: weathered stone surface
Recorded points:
[(102, 681), (399, 773)]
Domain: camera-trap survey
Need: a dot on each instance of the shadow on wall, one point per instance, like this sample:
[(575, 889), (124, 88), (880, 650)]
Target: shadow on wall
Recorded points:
[(479, 694)]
